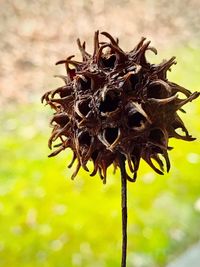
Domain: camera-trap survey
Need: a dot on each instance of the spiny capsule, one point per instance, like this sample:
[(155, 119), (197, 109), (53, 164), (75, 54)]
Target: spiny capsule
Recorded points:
[(116, 102)]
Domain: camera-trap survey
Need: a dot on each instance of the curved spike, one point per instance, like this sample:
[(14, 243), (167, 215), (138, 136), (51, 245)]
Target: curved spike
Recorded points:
[(162, 101), (182, 137), (76, 171), (60, 131), (147, 158), (136, 162), (70, 72), (56, 152), (72, 161), (84, 54), (75, 63), (135, 176), (137, 47), (177, 88), (84, 166), (167, 161), (99, 54), (100, 173), (189, 99), (128, 157), (89, 152), (61, 90), (63, 101), (110, 38), (132, 180), (153, 49), (64, 61), (46, 96), (121, 56), (59, 116), (96, 43), (140, 54), (114, 45), (162, 68), (95, 168), (104, 170), (159, 161)]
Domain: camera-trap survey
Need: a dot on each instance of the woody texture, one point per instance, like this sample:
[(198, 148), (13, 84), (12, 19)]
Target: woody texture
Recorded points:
[(117, 102)]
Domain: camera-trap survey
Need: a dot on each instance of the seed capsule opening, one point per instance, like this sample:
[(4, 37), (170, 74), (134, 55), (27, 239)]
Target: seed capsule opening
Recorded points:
[(82, 108), (108, 62), (158, 90), (136, 120), (134, 79), (110, 102), (84, 83), (60, 119), (84, 138), (110, 135)]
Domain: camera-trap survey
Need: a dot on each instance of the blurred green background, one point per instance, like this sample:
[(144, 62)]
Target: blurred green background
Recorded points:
[(45, 218)]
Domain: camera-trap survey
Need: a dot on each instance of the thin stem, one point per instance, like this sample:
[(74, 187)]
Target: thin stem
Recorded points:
[(124, 208)]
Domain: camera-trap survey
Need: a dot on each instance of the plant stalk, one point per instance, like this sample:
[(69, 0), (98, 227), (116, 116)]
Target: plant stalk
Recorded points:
[(123, 209)]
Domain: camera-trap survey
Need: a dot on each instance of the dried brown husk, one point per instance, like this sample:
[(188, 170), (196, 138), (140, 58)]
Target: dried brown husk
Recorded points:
[(117, 102)]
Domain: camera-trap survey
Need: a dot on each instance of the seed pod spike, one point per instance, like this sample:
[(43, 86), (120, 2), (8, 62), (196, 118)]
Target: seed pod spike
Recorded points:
[(138, 46), (72, 161), (96, 43), (161, 69), (99, 53), (110, 38), (76, 171), (70, 72), (167, 161), (153, 49), (56, 152), (193, 96), (84, 54), (149, 161), (140, 54), (114, 45)]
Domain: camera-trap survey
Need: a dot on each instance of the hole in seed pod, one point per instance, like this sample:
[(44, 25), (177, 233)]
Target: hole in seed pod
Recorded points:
[(84, 138), (83, 107), (84, 84), (110, 103), (157, 136), (135, 119), (108, 62), (60, 119), (110, 135), (65, 92), (157, 90), (134, 79)]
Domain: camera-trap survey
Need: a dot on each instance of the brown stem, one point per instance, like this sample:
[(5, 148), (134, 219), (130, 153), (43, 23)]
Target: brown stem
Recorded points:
[(124, 208)]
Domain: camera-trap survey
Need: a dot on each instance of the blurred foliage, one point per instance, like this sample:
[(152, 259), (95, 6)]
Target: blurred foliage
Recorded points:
[(48, 220)]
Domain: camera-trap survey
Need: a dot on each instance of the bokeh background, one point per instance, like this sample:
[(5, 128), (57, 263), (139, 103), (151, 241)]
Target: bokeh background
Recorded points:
[(48, 220)]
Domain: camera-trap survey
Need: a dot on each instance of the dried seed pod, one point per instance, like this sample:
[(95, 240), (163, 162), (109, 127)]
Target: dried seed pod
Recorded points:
[(117, 102)]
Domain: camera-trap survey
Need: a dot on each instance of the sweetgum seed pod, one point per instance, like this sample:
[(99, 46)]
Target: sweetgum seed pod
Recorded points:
[(117, 102)]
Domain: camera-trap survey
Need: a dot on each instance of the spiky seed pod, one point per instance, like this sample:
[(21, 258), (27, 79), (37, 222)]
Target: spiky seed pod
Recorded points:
[(117, 102)]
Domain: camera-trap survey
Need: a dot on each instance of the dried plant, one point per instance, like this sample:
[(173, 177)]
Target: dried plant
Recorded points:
[(116, 107)]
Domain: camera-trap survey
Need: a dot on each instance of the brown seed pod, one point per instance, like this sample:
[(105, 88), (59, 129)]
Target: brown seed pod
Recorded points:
[(117, 102)]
